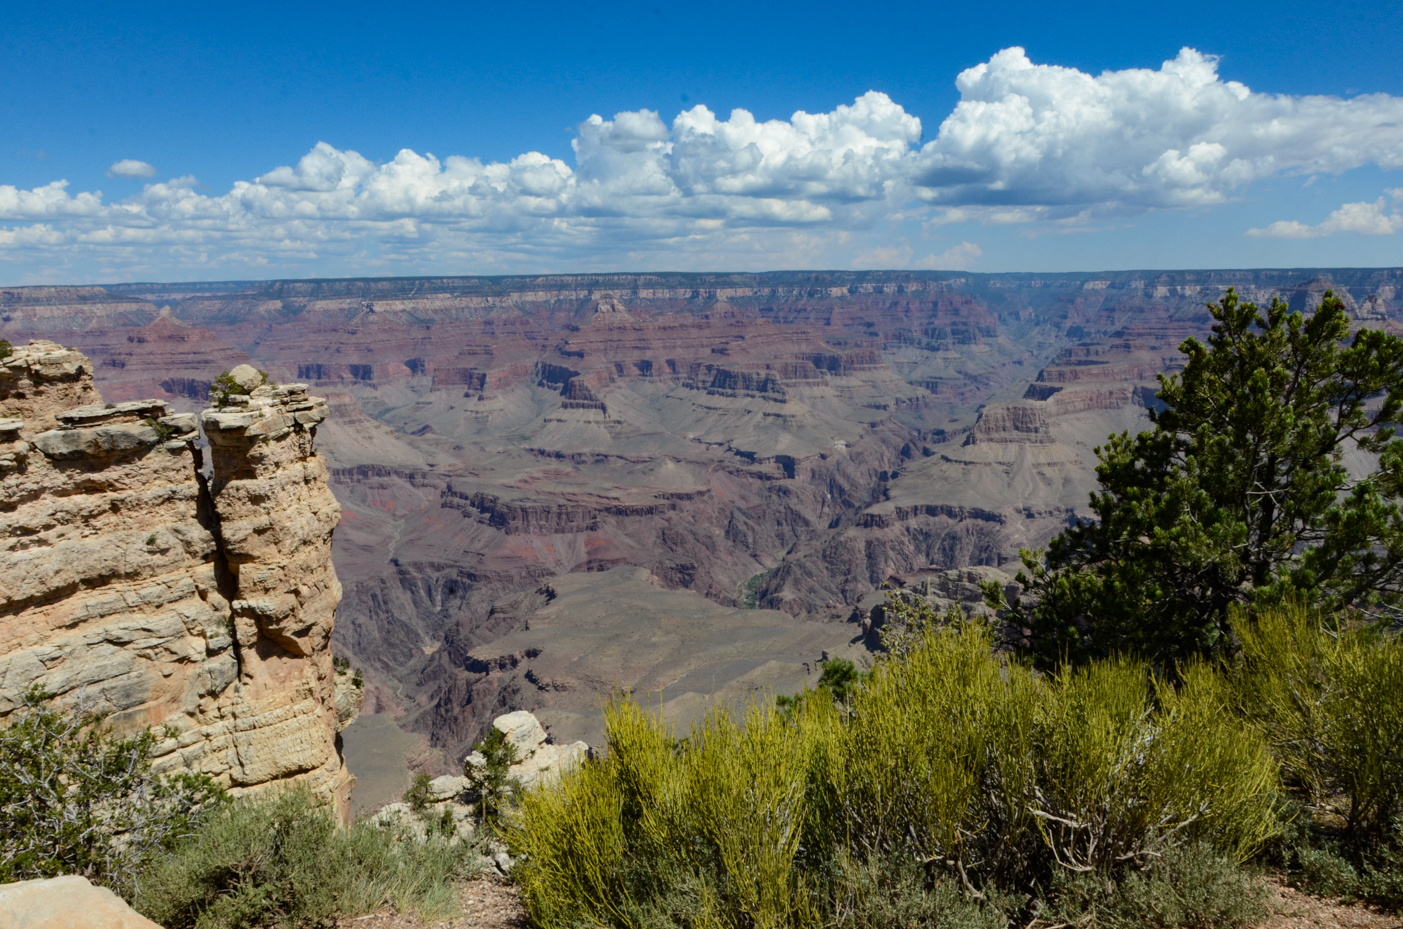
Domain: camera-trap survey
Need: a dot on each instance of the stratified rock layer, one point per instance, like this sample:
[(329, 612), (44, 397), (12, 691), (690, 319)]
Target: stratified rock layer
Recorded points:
[(795, 441), (133, 585)]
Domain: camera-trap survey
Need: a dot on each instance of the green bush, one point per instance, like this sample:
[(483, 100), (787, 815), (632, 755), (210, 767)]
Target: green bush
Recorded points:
[(938, 744), (717, 820), (1192, 887), (491, 780), (77, 799), (979, 774), (282, 861), (1129, 766), (6, 349), (897, 894), (417, 794), (1329, 698), (838, 681)]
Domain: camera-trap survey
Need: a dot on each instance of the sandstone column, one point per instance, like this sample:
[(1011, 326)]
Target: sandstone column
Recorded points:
[(275, 515), (134, 586)]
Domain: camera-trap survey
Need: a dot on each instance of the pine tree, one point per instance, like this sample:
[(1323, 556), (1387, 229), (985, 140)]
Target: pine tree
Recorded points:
[(1240, 494)]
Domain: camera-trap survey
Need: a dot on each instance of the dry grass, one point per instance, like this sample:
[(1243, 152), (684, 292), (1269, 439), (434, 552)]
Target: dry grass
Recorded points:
[(484, 902)]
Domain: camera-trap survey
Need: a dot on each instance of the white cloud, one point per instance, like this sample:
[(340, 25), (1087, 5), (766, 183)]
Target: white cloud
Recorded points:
[(1027, 135), (1377, 218), (959, 258), (1027, 143), (130, 167)]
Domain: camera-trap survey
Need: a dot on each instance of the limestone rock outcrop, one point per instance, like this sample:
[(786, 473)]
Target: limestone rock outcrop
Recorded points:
[(453, 799), (536, 758), (67, 902), (138, 585)]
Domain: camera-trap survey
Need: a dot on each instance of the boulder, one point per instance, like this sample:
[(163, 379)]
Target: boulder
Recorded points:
[(247, 377), (522, 730), (93, 443), (68, 902), (447, 787), (535, 757), (547, 761)]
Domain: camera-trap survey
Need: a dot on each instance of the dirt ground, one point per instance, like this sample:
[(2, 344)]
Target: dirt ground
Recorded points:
[(1295, 910), (487, 903), (492, 903)]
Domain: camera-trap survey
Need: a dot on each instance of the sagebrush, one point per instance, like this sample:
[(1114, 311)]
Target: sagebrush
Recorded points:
[(77, 798), (283, 861)]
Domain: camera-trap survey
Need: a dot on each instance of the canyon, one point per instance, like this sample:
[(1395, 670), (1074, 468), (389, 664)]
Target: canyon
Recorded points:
[(692, 486)]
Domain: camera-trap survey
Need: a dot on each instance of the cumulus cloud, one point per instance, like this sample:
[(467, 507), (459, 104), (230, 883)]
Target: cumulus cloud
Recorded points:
[(1364, 218), (1061, 141), (959, 258), (1026, 143), (130, 167)]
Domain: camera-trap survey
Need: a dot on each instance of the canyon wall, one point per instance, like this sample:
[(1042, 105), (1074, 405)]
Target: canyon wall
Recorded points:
[(137, 583), (790, 441)]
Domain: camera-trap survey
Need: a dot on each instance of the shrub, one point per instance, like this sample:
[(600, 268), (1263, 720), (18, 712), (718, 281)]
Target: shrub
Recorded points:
[(1329, 698), (1192, 887), (896, 894), (6, 349), (937, 745), (980, 775), (839, 680), (716, 822), (224, 388), (1128, 767), (282, 861), (417, 794), (77, 799), (491, 780), (1317, 857)]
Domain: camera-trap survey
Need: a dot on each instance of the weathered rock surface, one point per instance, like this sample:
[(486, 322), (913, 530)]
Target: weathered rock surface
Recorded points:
[(452, 798), (68, 902), (536, 758), (136, 585)]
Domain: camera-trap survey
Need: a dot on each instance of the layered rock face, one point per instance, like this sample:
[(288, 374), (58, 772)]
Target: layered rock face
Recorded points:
[(136, 585), (792, 440)]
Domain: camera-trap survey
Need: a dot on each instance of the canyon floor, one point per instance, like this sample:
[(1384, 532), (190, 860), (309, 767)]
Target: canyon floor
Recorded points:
[(688, 487)]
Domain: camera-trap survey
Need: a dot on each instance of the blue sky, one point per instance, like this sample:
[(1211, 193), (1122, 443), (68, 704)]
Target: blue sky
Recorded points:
[(1081, 152)]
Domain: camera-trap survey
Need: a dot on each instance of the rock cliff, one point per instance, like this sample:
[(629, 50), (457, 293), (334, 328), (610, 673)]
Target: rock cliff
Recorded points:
[(140, 584)]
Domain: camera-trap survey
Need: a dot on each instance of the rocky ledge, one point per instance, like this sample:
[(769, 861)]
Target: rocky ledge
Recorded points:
[(138, 582)]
